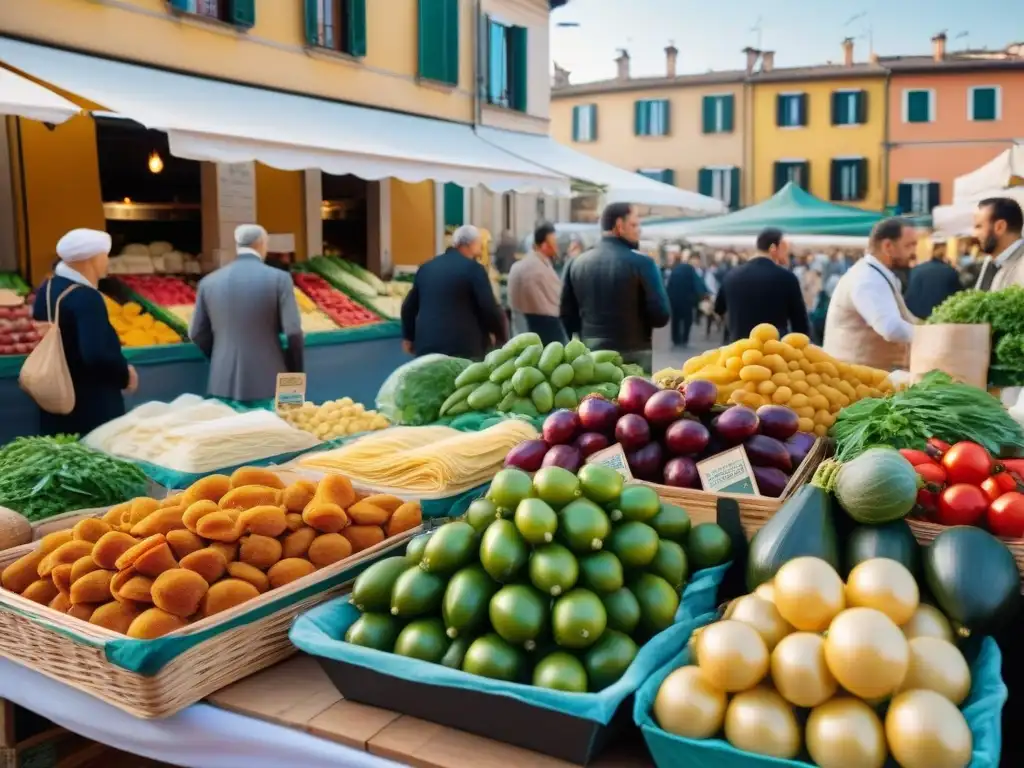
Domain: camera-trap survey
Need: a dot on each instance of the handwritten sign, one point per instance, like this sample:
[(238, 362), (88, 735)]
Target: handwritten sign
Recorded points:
[(728, 472), (291, 391), (612, 457)]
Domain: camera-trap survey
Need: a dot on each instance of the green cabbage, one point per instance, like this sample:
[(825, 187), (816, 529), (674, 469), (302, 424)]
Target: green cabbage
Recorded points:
[(414, 392)]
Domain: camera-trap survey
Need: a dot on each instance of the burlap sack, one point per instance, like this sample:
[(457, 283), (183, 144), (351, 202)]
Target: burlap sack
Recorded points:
[(44, 374), (962, 351)]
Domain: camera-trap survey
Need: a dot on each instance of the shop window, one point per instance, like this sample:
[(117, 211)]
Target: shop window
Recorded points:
[(721, 183), (917, 198), (718, 113), (651, 117), (918, 106), (584, 123), (439, 40), (791, 110), (241, 13), (506, 65), (795, 171), (337, 25), (983, 103), (849, 107), (849, 179)]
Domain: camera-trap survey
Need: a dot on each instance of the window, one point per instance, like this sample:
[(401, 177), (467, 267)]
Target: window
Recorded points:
[(984, 103), (721, 183), (917, 197), (791, 110), (918, 106), (718, 113), (651, 117), (241, 13), (664, 175), (454, 206), (338, 25), (506, 65), (849, 107), (796, 171), (849, 179), (439, 41), (584, 122)]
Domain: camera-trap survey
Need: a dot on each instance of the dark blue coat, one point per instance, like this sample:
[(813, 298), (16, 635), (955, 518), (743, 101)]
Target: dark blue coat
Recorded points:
[(97, 366), (451, 309), (685, 287), (930, 284)]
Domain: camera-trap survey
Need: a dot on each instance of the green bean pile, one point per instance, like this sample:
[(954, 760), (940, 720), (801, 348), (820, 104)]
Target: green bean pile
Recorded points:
[(45, 476)]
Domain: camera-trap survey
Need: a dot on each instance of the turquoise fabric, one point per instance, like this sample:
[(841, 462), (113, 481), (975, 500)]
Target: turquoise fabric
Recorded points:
[(983, 711), (148, 657), (701, 593), (318, 631)]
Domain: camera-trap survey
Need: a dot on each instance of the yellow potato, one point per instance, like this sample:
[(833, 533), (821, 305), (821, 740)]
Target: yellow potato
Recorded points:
[(752, 357), (766, 388), (796, 340), (781, 395), (765, 332), (806, 425), (775, 363), (755, 373), (799, 401)]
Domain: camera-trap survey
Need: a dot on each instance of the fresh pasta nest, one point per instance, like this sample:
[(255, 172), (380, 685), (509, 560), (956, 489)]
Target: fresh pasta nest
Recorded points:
[(424, 459), (148, 567)]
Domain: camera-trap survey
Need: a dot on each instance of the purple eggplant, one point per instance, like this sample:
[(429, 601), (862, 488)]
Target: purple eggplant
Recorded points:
[(764, 451), (770, 481)]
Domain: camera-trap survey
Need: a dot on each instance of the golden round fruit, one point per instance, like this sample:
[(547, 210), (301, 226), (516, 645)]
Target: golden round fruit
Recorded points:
[(846, 733), (688, 704), (808, 593), (729, 608), (885, 585), (762, 722), (799, 671), (928, 621), (763, 616), (937, 665), (926, 730), (732, 655), (766, 591), (691, 644), (866, 652)]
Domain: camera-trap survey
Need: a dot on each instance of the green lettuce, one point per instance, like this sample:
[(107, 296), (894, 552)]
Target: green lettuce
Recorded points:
[(413, 394)]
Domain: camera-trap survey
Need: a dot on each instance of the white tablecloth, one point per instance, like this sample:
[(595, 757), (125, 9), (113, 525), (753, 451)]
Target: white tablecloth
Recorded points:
[(202, 736)]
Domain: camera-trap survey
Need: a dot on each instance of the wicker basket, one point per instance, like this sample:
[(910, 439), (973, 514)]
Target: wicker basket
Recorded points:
[(926, 532), (74, 652), (755, 511)]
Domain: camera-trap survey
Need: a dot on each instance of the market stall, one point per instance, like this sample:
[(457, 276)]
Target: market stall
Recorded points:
[(1003, 176)]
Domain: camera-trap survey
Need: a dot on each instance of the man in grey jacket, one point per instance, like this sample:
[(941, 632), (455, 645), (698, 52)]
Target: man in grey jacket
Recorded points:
[(241, 311)]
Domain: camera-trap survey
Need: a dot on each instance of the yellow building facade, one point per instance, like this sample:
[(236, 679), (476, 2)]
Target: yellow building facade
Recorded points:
[(417, 57)]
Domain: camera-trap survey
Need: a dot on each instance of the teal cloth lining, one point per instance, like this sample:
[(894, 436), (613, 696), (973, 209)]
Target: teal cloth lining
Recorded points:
[(983, 711)]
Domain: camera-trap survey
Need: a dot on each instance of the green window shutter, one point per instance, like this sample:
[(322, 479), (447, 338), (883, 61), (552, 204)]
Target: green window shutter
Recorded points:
[(835, 181), (520, 59), (708, 114), (802, 111), (312, 20), (905, 198), (451, 42), (734, 187), (185, 6), (431, 39), (862, 107), (804, 169), (984, 103), (640, 127), (728, 113), (666, 117), (243, 13), (593, 122), (454, 205), (355, 15), (837, 108), (780, 111), (576, 123), (918, 106), (704, 181), (668, 176), (862, 178), (934, 197), (781, 176)]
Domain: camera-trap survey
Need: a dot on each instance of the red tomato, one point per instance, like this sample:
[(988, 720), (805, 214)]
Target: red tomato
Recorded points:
[(1006, 515), (968, 463), (937, 447), (999, 484), (927, 502), (962, 504), (932, 473), (916, 458)]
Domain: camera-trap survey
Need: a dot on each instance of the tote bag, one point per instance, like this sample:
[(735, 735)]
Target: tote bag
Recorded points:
[(962, 351), (44, 374)]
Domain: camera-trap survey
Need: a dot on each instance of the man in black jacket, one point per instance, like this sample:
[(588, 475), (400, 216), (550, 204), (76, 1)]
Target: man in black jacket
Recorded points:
[(451, 308), (931, 283), (761, 291), (612, 295)]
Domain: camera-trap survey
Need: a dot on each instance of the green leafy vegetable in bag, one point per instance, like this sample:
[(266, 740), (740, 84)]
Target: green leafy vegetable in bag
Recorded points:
[(414, 393)]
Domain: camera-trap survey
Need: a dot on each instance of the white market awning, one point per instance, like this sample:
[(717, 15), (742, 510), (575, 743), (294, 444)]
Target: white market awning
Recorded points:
[(1001, 172), (620, 186), (21, 97), (223, 122)]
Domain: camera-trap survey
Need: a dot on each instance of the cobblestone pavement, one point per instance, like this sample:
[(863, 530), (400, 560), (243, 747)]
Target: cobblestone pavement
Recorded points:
[(667, 356)]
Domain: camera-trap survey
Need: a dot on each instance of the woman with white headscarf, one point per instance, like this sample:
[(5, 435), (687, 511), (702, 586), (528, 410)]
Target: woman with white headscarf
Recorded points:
[(98, 369)]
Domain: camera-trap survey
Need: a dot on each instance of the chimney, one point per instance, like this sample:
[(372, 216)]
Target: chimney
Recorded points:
[(848, 52), (671, 54), (752, 55), (767, 61), (561, 79), (939, 46), (873, 57), (623, 62)]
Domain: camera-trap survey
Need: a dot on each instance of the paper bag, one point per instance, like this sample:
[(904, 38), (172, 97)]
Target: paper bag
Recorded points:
[(44, 374), (962, 351)]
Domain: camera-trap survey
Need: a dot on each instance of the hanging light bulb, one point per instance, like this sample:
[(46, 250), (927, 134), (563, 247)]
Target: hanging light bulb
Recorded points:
[(156, 163)]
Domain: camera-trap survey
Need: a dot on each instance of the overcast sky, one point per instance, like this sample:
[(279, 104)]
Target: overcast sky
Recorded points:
[(710, 33)]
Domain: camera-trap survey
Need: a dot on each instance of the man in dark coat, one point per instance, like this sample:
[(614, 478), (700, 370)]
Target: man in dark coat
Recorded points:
[(613, 296), (931, 283), (451, 309), (98, 369), (686, 289), (762, 291)]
